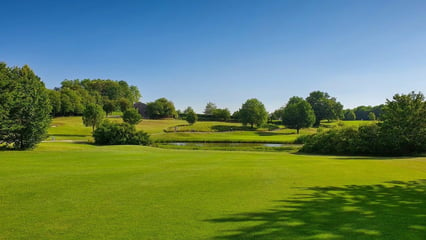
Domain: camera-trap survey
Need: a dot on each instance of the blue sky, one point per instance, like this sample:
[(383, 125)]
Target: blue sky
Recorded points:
[(193, 52)]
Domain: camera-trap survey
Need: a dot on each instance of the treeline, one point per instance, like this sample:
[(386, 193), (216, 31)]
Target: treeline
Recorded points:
[(402, 130), (73, 95), (363, 113)]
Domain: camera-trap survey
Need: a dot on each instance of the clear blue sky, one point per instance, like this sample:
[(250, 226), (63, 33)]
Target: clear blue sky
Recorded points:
[(193, 52)]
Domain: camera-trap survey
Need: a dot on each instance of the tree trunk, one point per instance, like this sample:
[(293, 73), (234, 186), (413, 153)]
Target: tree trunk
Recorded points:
[(298, 131)]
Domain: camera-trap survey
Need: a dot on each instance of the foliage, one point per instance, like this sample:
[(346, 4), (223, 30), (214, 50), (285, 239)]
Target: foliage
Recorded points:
[(277, 114), (362, 112), (124, 104), (350, 115), (75, 94), (402, 131), (24, 107), (93, 115), (341, 141), (132, 116), (324, 106), (109, 133), (109, 106), (253, 112), (298, 114), (222, 114), (371, 116), (161, 108), (403, 124), (210, 108), (55, 101), (191, 116)]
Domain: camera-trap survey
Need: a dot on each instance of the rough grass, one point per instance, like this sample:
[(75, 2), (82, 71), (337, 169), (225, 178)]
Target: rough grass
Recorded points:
[(80, 191)]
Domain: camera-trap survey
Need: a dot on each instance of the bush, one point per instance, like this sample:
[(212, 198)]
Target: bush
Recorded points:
[(132, 116), (109, 133), (401, 132)]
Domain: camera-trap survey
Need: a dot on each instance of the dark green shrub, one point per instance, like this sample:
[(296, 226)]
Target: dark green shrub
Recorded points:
[(132, 116), (109, 133)]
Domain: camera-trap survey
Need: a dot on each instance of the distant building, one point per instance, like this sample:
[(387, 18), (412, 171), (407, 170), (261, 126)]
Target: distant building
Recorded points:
[(141, 107)]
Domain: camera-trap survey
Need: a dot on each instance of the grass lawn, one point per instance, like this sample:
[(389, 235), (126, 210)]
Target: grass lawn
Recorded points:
[(80, 191), (72, 128)]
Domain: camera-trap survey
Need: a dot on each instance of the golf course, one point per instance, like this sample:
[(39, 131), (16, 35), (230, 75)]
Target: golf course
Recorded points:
[(213, 120), (76, 190)]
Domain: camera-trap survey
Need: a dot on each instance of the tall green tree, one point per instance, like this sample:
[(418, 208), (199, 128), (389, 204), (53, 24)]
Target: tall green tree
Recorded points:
[(55, 101), (324, 106), (253, 112), (93, 116), (191, 116), (161, 108), (403, 126), (109, 106), (298, 114), (210, 108), (132, 116), (24, 107)]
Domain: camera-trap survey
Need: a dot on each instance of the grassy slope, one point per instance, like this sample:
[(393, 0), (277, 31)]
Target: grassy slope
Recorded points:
[(77, 191), (72, 128)]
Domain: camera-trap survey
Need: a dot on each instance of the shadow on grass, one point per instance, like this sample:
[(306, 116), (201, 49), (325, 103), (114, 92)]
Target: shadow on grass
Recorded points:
[(69, 135), (273, 134), (225, 128), (395, 210)]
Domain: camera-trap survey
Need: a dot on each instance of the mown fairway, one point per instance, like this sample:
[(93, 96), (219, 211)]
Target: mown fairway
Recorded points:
[(78, 191)]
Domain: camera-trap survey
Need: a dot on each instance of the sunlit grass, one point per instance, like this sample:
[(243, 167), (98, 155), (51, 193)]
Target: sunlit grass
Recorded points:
[(81, 191)]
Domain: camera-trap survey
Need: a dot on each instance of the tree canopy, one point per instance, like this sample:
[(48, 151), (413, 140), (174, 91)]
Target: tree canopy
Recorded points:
[(324, 106), (161, 108), (75, 94), (402, 131), (210, 108), (132, 116), (253, 112), (190, 115), (298, 114), (93, 115), (403, 123), (24, 107)]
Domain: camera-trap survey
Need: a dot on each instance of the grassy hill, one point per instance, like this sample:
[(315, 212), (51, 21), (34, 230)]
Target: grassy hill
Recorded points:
[(171, 130)]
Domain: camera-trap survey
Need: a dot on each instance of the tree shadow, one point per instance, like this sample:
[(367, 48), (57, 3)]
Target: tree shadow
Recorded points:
[(227, 128), (68, 135), (273, 133), (394, 210)]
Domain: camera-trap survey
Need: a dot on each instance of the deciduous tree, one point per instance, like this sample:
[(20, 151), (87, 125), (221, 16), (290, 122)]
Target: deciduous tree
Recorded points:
[(298, 114), (324, 106), (253, 112), (93, 115), (190, 115)]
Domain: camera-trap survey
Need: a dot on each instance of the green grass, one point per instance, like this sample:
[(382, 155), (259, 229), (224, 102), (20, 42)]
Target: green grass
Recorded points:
[(69, 128), (354, 123), (80, 191), (72, 128)]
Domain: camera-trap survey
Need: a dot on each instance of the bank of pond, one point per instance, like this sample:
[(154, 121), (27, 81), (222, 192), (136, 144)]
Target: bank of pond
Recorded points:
[(231, 146)]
